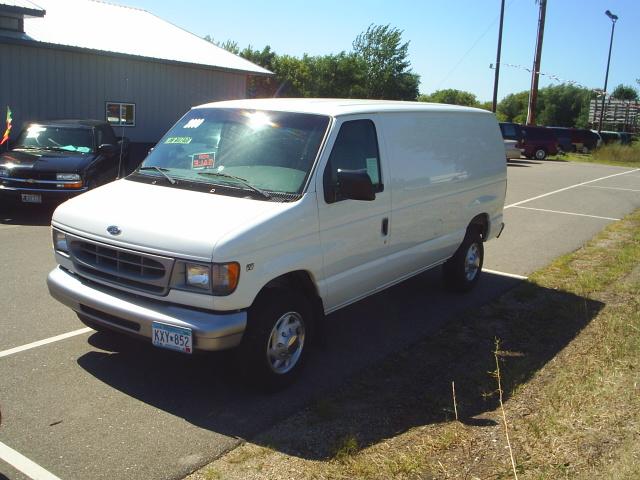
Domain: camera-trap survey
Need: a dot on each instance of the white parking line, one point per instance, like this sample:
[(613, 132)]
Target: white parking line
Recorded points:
[(612, 188), (567, 213), (24, 465), (39, 343), (570, 187), (504, 274)]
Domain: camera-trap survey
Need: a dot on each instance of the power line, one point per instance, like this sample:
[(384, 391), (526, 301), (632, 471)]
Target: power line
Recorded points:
[(475, 43)]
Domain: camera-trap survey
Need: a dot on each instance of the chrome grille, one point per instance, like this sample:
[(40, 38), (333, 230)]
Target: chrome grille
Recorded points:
[(115, 265)]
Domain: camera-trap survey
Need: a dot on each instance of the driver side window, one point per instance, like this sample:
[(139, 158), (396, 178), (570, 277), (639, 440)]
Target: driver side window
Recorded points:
[(355, 148)]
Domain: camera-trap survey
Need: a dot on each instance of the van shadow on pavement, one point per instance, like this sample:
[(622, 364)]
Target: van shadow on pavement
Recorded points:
[(354, 385)]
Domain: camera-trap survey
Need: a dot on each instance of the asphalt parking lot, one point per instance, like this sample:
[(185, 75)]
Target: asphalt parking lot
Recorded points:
[(91, 406)]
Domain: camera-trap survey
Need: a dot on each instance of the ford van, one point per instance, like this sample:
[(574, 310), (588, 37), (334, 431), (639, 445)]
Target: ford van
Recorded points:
[(253, 219)]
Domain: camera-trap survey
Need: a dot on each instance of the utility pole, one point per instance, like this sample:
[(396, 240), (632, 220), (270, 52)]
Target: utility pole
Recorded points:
[(495, 82), (614, 19), (533, 94)]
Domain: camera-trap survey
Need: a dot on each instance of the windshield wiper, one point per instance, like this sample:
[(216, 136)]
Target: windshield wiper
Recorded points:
[(172, 181), (239, 179), (58, 149)]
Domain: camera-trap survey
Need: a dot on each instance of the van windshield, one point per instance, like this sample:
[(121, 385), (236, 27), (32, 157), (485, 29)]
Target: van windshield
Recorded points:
[(272, 151)]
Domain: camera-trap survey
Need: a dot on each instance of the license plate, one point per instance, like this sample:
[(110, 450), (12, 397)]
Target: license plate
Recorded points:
[(31, 198), (171, 337)]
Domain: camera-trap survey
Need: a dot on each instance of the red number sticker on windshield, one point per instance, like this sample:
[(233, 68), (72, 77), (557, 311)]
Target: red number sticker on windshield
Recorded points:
[(203, 160)]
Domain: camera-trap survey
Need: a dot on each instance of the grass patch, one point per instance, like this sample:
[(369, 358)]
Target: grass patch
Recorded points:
[(346, 447), (569, 361), (612, 154)]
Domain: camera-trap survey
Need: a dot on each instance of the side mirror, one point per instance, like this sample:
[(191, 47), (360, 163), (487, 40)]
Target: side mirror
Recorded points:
[(107, 148), (355, 185)]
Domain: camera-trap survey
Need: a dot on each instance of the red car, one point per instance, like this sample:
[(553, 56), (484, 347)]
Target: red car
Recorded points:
[(537, 142)]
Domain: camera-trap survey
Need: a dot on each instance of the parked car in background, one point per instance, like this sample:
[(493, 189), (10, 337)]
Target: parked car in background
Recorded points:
[(538, 142), (511, 131), (565, 138), (625, 138), (56, 160), (584, 140), (511, 149), (609, 137)]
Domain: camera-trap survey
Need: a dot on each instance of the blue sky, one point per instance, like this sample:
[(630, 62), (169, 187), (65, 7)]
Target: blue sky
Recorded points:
[(452, 42)]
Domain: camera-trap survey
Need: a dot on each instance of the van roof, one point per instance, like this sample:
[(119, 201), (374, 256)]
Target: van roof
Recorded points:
[(336, 107)]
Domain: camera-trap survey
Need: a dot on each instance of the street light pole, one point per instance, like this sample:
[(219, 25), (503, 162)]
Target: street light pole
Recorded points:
[(614, 19)]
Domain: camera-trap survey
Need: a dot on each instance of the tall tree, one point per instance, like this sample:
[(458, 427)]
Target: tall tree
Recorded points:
[(377, 68), (228, 45), (625, 92), (388, 73), (562, 105), (558, 105), (452, 97), (513, 107)]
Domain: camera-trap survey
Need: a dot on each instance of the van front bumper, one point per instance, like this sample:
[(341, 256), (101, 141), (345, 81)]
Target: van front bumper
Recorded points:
[(134, 315)]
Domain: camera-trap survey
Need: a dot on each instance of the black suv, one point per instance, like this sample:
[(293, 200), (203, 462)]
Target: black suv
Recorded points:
[(55, 160)]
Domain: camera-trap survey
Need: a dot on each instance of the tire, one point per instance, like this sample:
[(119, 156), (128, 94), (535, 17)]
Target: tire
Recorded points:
[(276, 316), (586, 150), (540, 153), (462, 271)]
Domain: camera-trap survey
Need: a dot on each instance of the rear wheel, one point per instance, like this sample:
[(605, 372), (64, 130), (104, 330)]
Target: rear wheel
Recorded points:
[(540, 153), (462, 271), (274, 345)]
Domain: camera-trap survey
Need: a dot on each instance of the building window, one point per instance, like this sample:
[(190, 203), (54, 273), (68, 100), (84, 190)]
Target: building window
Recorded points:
[(11, 23), (123, 114)]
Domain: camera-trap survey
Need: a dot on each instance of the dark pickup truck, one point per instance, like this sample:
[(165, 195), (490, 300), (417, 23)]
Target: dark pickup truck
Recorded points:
[(54, 160)]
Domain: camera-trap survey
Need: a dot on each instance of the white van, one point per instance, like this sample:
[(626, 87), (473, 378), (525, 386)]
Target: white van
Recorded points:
[(252, 219)]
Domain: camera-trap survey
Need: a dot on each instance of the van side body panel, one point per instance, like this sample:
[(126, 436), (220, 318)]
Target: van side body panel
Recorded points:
[(445, 168)]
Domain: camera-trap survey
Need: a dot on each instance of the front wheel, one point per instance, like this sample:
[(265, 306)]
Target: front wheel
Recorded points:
[(462, 271), (274, 345)]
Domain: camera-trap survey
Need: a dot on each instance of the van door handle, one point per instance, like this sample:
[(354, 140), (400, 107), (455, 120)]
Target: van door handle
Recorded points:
[(385, 226)]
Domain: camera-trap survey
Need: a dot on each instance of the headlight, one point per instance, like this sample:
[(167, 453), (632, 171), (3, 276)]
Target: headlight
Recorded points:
[(198, 276), (4, 172), (68, 177), (60, 242)]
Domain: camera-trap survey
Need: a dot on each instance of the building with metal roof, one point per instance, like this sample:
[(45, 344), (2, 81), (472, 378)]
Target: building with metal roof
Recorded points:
[(92, 59)]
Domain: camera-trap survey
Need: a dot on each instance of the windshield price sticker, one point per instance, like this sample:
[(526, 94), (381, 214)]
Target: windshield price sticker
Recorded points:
[(203, 160), (180, 140), (194, 123)]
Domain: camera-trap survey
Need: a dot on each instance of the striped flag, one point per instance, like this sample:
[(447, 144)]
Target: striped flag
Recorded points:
[(5, 137)]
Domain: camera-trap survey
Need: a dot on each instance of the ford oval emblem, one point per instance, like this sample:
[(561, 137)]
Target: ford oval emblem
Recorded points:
[(114, 230)]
